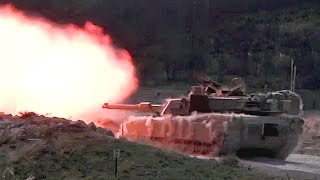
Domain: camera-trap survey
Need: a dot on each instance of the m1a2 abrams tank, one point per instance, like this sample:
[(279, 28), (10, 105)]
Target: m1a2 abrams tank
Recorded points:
[(214, 120)]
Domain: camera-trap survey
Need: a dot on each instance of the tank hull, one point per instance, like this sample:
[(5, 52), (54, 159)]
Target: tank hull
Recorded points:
[(215, 134)]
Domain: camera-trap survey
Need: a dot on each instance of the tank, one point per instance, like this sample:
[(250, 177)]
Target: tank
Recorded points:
[(218, 120)]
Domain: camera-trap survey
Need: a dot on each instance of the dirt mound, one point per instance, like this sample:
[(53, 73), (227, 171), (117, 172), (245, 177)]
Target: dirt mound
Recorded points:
[(31, 126)]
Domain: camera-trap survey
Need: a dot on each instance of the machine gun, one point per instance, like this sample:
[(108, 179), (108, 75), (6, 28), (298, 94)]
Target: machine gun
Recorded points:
[(236, 87)]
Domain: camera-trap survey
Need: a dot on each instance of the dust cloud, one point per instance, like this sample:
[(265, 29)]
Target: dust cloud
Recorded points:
[(198, 134)]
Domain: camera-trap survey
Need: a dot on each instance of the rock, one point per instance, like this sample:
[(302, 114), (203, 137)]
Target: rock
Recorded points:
[(37, 120), (18, 124), (7, 173), (5, 136), (30, 178), (4, 124), (104, 131), (92, 126), (57, 120), (62, 127), (73, 126), (79, 123), (17, 130)]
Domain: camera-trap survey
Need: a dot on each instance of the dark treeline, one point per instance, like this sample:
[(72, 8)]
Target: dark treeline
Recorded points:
[(173, 39)]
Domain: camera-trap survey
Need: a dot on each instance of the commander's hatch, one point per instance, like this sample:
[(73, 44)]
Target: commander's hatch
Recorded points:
[(176, 107)]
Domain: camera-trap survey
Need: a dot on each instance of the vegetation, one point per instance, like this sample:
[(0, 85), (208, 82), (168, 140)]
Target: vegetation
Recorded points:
[(173, 40), (89, 155)]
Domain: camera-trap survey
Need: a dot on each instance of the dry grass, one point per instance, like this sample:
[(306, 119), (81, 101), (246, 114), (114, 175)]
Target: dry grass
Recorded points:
[(89, 155)]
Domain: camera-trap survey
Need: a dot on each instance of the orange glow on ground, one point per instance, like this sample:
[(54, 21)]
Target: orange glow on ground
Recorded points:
[(65, 71)]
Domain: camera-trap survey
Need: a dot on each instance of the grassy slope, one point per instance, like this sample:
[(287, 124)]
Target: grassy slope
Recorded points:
[(89, 155)]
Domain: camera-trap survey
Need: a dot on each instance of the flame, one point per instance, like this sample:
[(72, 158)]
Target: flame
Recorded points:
[(63, 70)]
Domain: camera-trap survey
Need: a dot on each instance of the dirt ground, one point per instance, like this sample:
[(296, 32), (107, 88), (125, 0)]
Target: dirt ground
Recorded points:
[(310, 139)]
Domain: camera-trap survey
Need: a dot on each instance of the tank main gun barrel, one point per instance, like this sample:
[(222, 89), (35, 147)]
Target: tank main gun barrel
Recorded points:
[(144, 106)]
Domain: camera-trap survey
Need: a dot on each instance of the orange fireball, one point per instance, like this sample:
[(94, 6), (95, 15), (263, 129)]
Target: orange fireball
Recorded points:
[(62, 70)]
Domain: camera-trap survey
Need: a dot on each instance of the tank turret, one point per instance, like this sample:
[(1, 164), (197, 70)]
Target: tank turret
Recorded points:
[(272, 103)]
